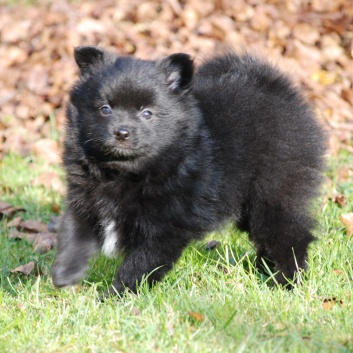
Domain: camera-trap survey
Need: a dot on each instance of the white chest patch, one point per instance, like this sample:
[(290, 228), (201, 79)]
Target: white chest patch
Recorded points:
[(109, 247)]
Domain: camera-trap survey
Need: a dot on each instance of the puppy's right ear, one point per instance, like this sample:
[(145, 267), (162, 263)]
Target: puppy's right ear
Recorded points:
[(179, 69), (88, 58)]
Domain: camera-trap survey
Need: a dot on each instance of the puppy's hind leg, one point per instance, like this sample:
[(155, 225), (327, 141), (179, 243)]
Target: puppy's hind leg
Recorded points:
[(77, 244), (282, 236)]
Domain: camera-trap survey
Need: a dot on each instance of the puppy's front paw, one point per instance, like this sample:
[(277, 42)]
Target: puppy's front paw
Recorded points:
[(64, 276)]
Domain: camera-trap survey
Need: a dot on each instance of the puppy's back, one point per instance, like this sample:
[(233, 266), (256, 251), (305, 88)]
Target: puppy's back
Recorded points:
[(248, 102), (264, 128)]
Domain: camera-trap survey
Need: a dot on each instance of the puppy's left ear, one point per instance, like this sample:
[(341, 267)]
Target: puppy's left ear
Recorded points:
[(179, 69), (88, 58)]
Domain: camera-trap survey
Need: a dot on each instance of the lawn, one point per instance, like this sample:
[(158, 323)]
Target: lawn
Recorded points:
[(212, 301)]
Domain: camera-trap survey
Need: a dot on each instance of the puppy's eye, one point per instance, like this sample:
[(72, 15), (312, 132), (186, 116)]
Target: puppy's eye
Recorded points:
[(147, 114), (105, 110)]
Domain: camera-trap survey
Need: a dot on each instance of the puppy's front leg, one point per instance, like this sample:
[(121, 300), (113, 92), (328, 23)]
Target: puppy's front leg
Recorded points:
[(152, 260), (77, 244)]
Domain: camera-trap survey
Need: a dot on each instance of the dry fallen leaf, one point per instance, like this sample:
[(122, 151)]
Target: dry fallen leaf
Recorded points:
[(25, 269), (135, 311), (347, 94), (323, 77), (55, 207), (15, 234), (15, 222), (340, 199), (197, 316), (306, 33), (338, 272), (32, 226), (8, 210), (344, 174), (212, 244), (49, 180), (42, 242), (38, 79), (45, 242), (347, 220), (328, 303), (48, 150)]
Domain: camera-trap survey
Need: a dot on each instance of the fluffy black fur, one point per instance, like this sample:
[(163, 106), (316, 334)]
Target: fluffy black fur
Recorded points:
[(157, 156)]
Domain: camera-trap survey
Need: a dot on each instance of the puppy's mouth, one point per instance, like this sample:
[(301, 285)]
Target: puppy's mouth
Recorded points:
[(118, 154), (124, 158)]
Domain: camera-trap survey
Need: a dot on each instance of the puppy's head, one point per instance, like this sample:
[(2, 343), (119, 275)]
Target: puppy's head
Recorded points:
[(130, 111)]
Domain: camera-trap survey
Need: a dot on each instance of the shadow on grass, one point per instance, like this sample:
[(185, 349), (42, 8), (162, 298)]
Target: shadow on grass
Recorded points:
[(234, 250)]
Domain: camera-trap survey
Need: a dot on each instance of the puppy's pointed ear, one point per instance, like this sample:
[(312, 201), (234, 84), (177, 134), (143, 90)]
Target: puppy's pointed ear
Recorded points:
[(179, 69), (88, 58)]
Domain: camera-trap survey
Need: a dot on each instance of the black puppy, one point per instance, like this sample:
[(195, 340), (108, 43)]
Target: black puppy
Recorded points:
[(157, 157)]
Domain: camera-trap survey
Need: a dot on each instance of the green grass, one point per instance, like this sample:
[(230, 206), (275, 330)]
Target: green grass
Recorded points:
[(241, 312)]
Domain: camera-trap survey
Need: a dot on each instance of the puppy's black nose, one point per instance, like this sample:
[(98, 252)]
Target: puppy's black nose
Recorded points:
[(122, 134)]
